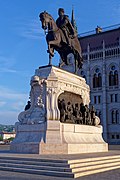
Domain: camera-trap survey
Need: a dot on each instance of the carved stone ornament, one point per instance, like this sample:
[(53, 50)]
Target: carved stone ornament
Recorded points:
[(37, 112), (97, 121), (46, 86)]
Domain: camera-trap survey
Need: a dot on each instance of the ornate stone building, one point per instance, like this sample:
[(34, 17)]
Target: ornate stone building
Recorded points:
[(101, 69)]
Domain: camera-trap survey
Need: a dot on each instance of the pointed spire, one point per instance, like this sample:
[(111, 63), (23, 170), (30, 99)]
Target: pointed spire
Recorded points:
[(73, 20)]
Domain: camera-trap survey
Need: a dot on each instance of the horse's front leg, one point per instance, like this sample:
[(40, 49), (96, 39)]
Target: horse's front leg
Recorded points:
[(50, 50), (55, 41), (51, 54), (50, 59)]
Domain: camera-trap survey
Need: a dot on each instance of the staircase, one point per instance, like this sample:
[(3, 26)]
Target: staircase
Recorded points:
[(89, 166), (48, 167), (59, 167)]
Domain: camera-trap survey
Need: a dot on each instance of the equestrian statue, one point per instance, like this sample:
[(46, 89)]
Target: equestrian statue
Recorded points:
[(62, 37)]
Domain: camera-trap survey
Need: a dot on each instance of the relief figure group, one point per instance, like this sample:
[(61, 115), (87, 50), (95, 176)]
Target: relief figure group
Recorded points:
[(77, 113)]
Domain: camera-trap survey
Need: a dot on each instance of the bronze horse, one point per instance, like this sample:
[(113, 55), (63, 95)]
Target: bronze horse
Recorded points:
[(56, 41)]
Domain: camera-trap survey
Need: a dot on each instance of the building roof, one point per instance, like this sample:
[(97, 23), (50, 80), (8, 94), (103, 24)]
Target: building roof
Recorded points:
[(110, 37)]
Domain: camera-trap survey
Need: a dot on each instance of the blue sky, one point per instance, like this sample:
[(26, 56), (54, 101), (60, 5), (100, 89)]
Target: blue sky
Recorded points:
[(23, 46)]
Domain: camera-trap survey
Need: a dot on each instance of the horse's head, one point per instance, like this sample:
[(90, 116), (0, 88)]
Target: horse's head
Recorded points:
[(45, 19)]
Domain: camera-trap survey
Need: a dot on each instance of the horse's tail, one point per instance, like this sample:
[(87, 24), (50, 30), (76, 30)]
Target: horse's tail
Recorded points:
[(79, 58), (77, 51), (81, 62)]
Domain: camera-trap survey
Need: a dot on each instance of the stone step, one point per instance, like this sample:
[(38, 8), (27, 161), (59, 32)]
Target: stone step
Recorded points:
[(60, 168), (39, 172), (34, 159), (93, 159), (93, 162), (37, 163), (93, 167), (88, 166), (86, 173), (36, 167)]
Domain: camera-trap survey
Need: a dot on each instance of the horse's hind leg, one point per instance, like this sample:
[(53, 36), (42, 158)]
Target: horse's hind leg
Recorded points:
[(76, 62), (76, 66), (79, 60), (64, 58)]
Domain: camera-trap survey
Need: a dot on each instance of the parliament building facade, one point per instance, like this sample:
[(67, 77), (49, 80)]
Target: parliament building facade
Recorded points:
[(101, 69)]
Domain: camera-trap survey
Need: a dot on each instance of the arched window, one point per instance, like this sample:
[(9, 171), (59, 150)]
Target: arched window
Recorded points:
[(97, 79), (116, 77), (113, 76), (94, 81), (115, 116)]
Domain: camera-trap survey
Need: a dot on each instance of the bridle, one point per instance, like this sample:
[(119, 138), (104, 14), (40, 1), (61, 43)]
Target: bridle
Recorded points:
[(47, 30)]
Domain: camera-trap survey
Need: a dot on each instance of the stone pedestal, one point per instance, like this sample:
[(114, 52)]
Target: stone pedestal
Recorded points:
[(54, 137), (39, 129), (28, 138), (72, 139)]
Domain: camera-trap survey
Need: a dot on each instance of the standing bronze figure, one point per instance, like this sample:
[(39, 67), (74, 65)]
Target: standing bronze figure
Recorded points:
[(61, 37)]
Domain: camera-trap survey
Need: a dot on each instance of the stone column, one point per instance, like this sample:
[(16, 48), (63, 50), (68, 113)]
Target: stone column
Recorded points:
[(88, 64), (51, 102), (104, 96), (119, 61)]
